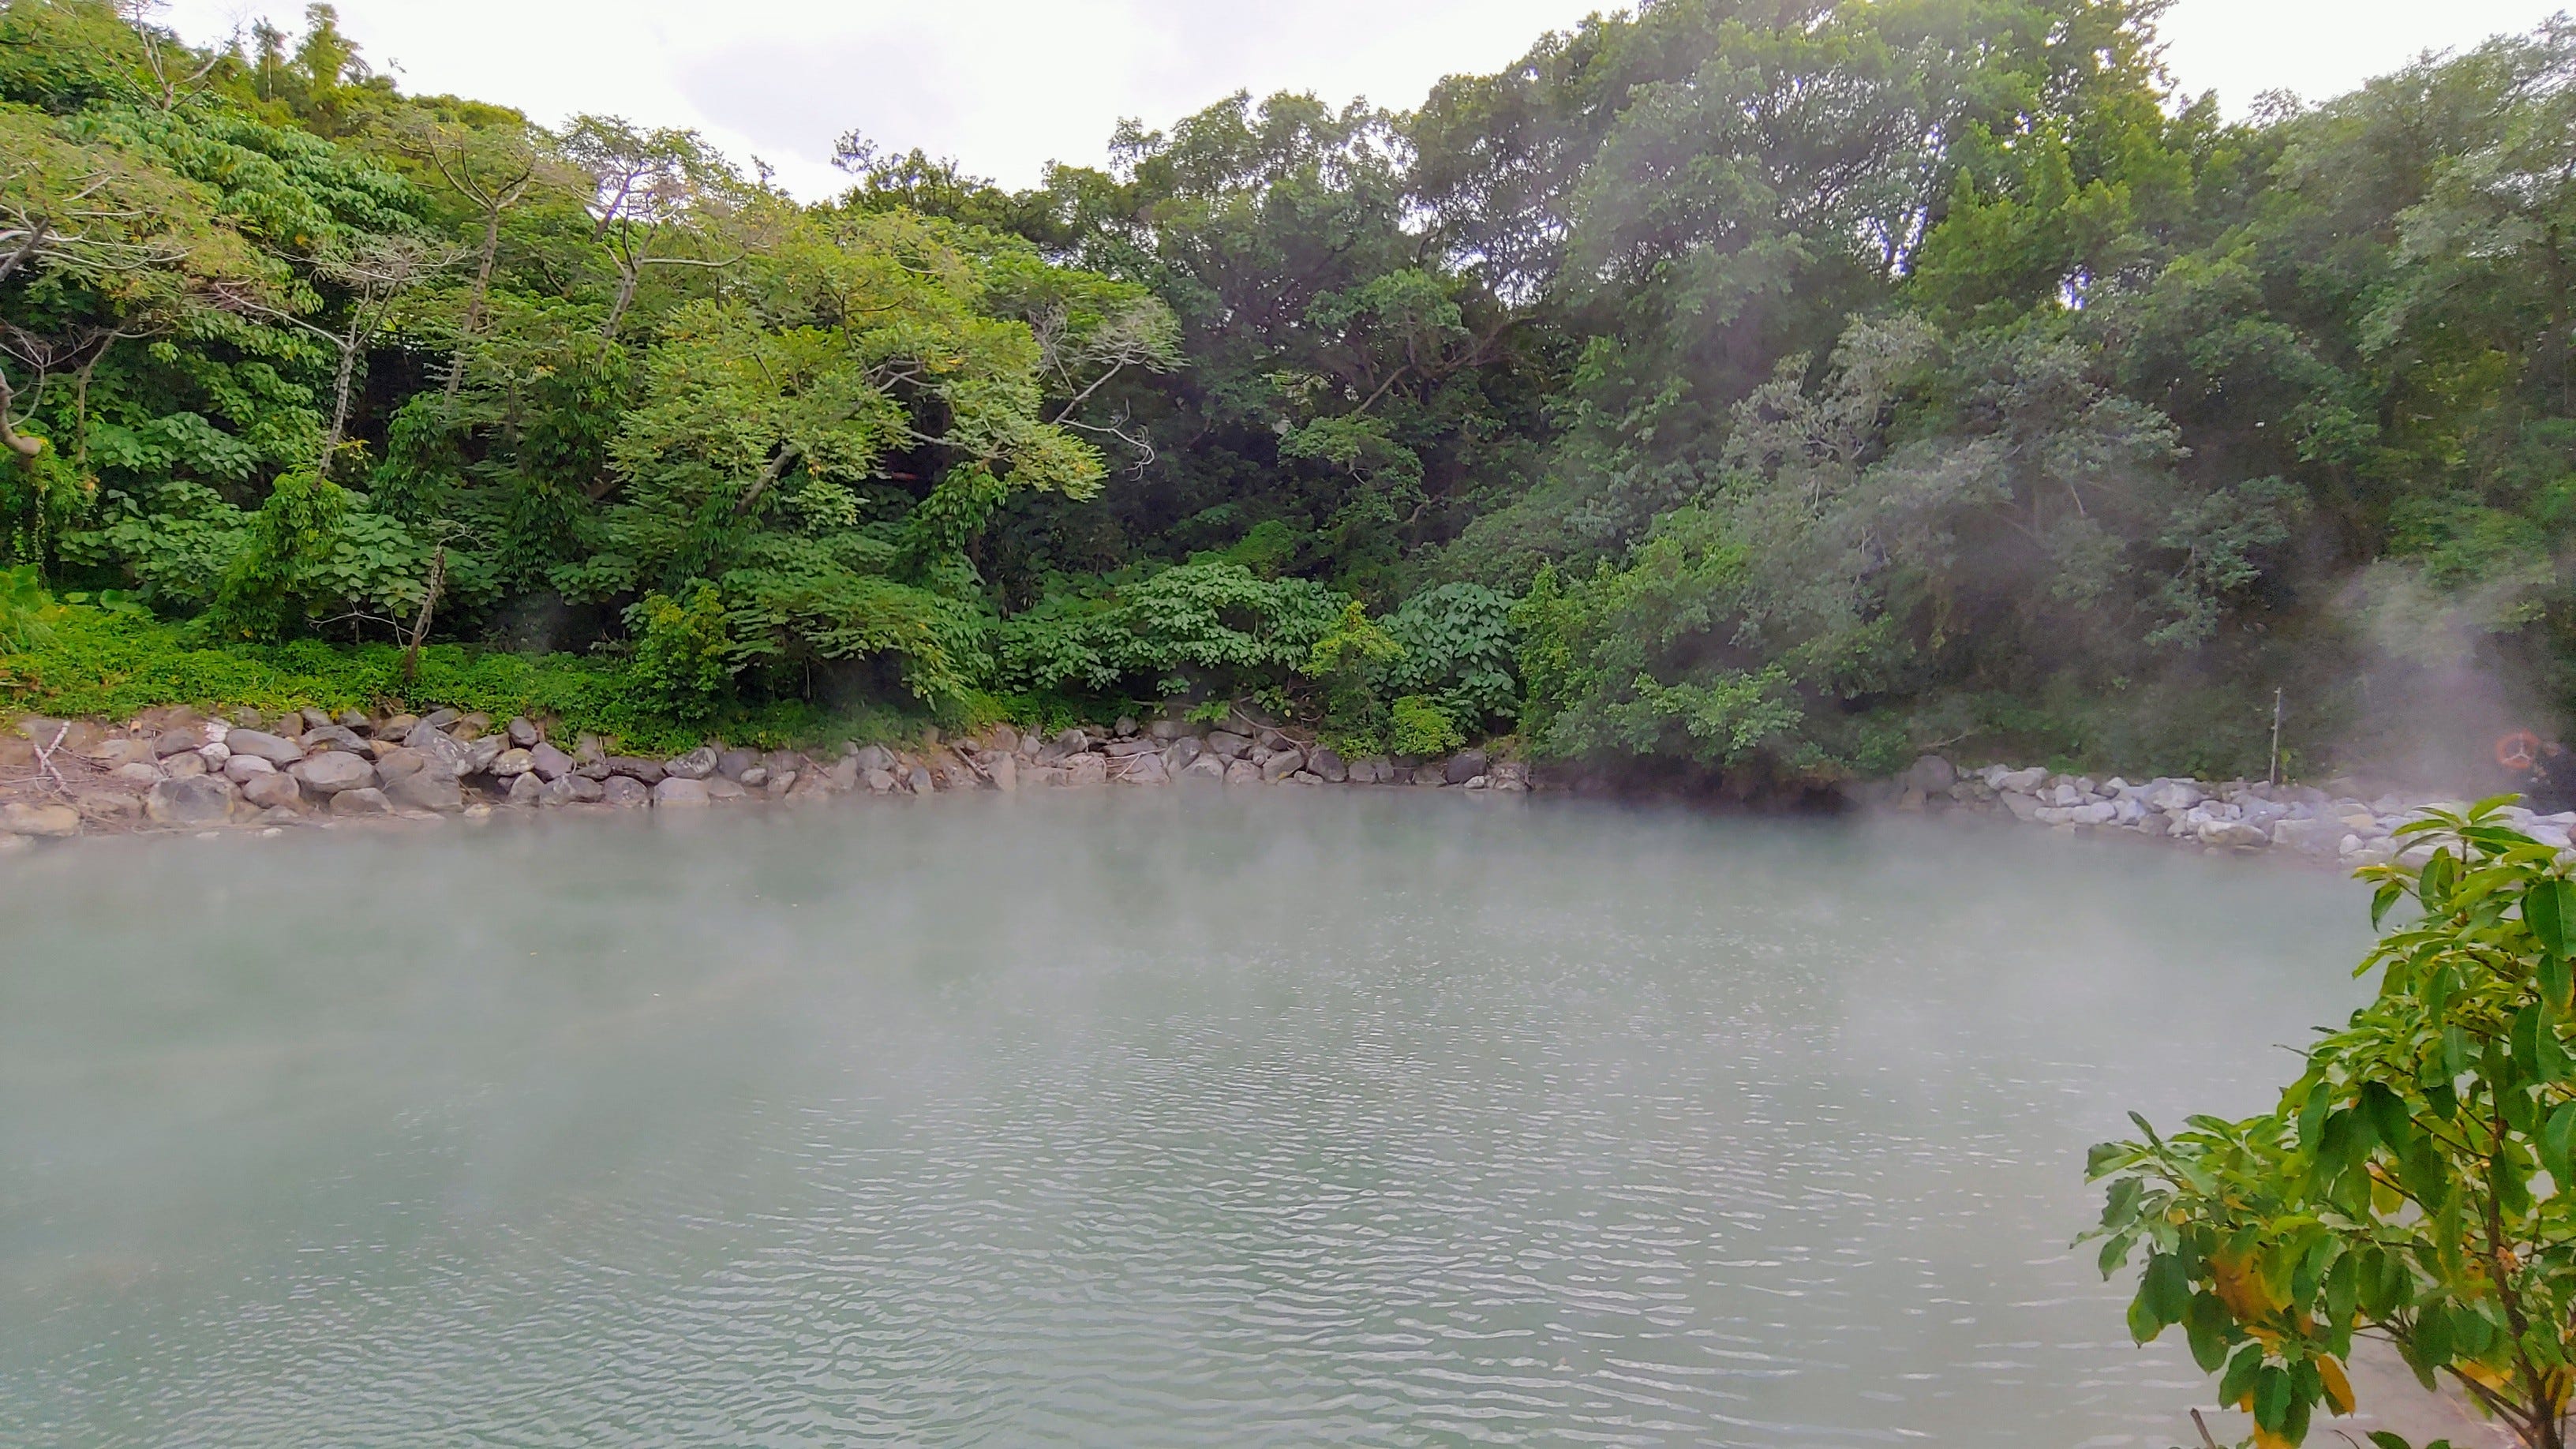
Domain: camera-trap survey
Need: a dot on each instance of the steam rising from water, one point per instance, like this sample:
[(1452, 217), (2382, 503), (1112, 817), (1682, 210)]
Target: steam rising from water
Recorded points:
[(1128, 1120)]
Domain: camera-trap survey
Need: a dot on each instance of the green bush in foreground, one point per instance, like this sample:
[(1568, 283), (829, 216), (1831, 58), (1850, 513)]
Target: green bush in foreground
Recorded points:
[(2413, 1184), (113, 664)]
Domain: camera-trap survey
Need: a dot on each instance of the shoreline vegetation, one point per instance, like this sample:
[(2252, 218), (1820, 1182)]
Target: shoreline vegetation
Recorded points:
[(176, 768), (1761, 397)]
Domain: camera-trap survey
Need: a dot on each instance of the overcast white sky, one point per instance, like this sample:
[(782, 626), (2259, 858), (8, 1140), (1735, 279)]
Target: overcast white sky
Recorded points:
[(1007, 85)]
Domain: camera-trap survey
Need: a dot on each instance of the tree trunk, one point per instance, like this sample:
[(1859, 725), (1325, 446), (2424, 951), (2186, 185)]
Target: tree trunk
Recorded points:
[(626, 284), (35, 238), (25, 447), (340, 400), (474, 306), (428, 605)]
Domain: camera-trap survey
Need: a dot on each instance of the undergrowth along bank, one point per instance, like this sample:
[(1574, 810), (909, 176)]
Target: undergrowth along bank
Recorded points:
[(98, 663)]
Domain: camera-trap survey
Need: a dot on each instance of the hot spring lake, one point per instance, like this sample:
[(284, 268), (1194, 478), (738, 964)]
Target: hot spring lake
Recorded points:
[(1115, 1120)]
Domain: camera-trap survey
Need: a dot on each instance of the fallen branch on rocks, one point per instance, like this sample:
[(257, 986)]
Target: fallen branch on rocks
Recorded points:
[(45, 757)]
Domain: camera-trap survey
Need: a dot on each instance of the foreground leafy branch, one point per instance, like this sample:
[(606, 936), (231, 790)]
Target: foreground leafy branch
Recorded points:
[(2409, 1187)]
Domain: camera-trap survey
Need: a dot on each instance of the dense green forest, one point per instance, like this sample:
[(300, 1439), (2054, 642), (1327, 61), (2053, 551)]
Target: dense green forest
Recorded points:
[(1766, 388)]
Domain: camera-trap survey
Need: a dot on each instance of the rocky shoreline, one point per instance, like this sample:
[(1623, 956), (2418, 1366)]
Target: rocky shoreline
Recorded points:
[(2337, 826), (177, 769), (180, 770)]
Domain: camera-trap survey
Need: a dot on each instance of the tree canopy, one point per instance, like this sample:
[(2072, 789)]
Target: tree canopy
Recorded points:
[(1771, 390)]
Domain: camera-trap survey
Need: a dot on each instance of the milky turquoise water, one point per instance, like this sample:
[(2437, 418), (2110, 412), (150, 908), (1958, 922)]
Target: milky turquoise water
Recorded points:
[(1121, 1120)]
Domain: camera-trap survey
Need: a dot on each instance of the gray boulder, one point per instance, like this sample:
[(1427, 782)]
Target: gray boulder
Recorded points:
[(1242, 772), (197, 800), (1205, 768), (1464, 766), (1002, 769), (54, 821), (880, 782), (443, 750), (1182, 751), (479, 754), (510, 764), (872, 757), (2172, 796), (332, 737), (242, 769), (1227, 745), (523, 732), (259, 745), (697, 764), (625, 792), (1328, 767), (274, 792), (1087, 769), (647, 773), (439, 719), (426, 790), (361, 802), (720, 789), (548, 762), (1145, 769), (1281, 765), (1931, 774), (920, 779), (2234, 834), (527, 789), (733, 764), (117, 754), (680, 792), (176, 742), (2019, 782), (331, 773), (400, 760)]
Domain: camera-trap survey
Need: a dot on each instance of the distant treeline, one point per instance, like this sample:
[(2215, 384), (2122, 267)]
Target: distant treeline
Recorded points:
[(1774, 387)]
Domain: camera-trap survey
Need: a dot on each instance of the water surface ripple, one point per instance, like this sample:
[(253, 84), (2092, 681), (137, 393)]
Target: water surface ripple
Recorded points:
[(1118, 1121)]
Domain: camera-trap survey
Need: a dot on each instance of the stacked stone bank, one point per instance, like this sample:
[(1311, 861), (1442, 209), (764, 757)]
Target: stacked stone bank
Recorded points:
[(175, 769), (2236, 815)]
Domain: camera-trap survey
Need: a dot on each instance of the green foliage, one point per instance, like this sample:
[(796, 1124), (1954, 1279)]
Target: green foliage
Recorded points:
[(2411, 1183), (27, 611), (1209, 626), (1457, 643), (1417, 726), (311, 554), (1348, 664), (113, 662), (1848, 377), (682, 653)]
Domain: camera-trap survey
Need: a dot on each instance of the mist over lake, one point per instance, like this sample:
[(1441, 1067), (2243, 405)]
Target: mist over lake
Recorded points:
[(1119, 1120)]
